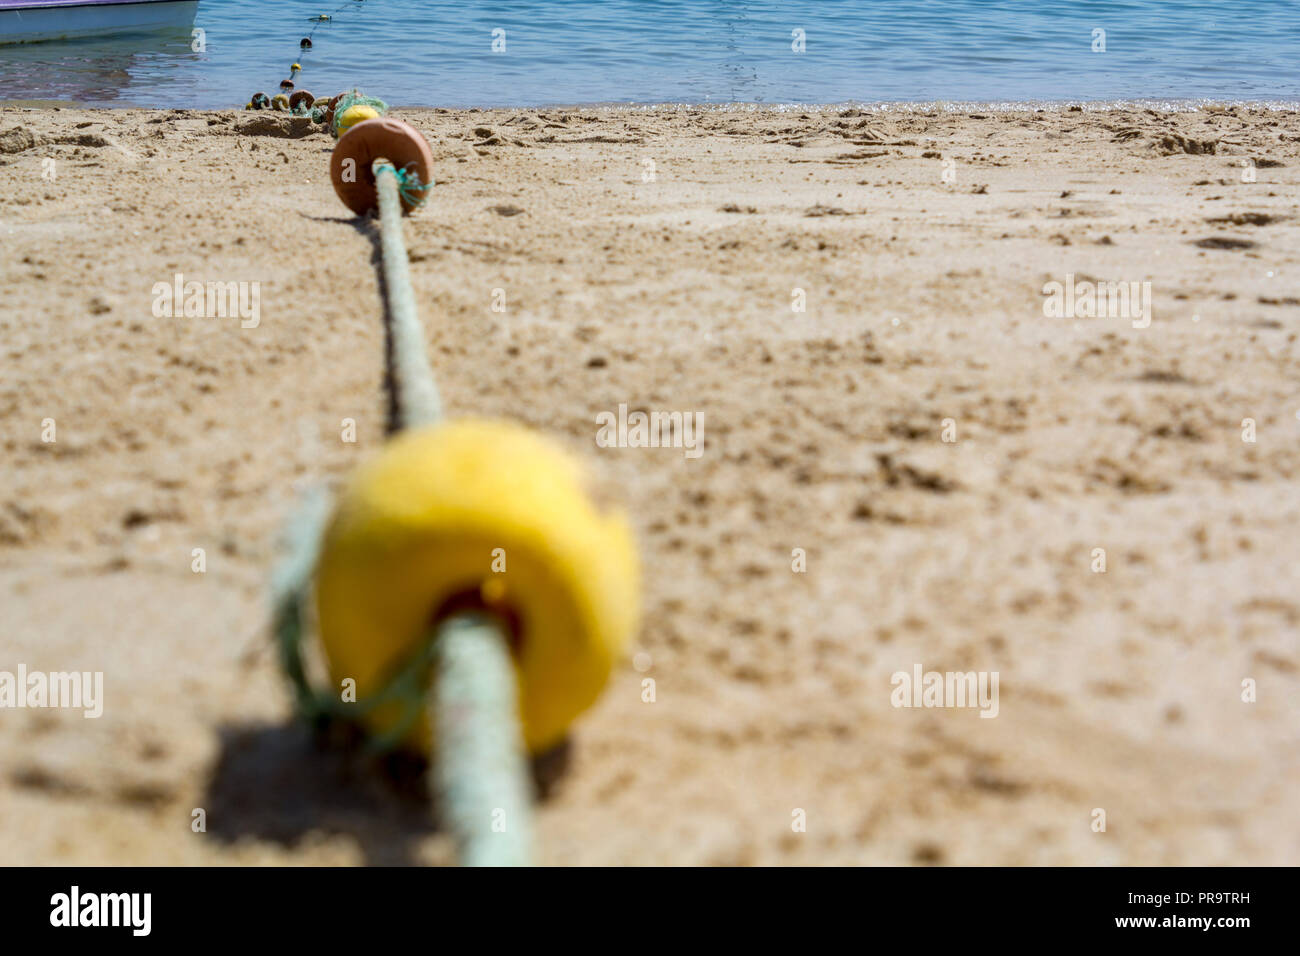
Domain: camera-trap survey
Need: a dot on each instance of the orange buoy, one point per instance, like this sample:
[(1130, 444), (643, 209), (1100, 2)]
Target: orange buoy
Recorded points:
[(399, 143)]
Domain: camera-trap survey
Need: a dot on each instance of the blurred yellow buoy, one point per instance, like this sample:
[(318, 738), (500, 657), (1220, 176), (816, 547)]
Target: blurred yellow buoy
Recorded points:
[(280, 102), (473, 513), (354, 115)]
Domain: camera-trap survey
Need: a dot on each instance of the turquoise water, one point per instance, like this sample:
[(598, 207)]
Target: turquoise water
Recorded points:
[(434, 53)]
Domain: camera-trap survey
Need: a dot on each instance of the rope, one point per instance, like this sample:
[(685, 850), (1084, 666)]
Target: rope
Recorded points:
[(413, 395), (407, 686), (479, 773), (478, 770), (288, 585)]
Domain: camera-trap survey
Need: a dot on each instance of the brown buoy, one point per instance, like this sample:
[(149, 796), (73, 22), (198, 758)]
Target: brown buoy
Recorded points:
[(329, 110), (302, 96), (399, 143)]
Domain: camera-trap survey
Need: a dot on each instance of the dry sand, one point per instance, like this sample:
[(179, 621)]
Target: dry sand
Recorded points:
[(822, 431)]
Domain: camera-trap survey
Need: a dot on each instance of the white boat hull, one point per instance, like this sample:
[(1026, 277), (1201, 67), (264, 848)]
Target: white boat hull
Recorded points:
[(35, 24)]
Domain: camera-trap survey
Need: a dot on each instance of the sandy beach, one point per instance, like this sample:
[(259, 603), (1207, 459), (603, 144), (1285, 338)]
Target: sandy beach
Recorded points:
[(948, 456)]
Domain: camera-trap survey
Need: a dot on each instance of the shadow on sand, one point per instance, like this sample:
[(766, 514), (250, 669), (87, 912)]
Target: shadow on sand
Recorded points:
[(280, 783)]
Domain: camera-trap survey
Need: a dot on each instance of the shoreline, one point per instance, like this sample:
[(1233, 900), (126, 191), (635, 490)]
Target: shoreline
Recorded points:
[(883, 107)]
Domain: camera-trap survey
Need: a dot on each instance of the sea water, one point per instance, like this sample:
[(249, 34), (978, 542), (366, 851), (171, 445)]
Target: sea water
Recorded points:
[(566, 52)]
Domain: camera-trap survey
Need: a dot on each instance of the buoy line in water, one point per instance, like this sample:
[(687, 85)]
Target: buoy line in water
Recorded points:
[(291, 99)]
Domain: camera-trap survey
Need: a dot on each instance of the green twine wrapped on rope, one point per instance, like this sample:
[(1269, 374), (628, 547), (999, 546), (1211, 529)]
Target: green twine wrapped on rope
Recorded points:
[(409, 186), (349, 100)]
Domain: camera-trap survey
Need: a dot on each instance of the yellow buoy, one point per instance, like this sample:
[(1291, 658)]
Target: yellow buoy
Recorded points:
[(354, 115), (280, 102), (487, 514)]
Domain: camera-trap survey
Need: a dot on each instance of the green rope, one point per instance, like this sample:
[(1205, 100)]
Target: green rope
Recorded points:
[(478, 769), (479, 773), (288, 585), (407, 686), (409, 186), (415, 394)]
